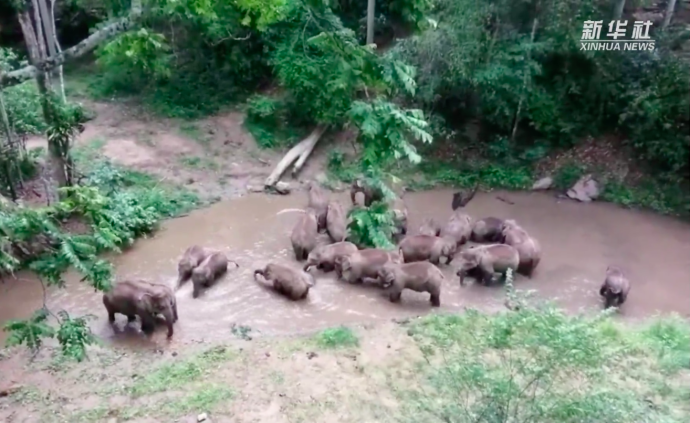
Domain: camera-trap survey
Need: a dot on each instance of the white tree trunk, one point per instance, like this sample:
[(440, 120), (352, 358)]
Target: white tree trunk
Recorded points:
[(301, 150), (371, 10), (670, 7), (618, 9)]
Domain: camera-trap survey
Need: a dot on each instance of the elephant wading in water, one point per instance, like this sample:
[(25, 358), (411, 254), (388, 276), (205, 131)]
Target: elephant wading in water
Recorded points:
[(528, 247), (318, 201), (488, 229), (336, 222), (459, 225), (286, 280), (427, 248), (324, 256), (399, 209), (191, 258), (144, 299), (615, 288), (212, 268), (354, 267), (481, 262), (304, 234), (430, 227), (362, 194), (419, 276)]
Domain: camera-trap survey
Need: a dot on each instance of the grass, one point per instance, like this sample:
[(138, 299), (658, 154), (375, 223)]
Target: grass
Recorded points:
[(339, 337), (178, 374), (536, 365), (541, 365)]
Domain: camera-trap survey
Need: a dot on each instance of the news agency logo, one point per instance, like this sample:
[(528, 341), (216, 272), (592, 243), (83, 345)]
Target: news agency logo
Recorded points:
[(591, 32)]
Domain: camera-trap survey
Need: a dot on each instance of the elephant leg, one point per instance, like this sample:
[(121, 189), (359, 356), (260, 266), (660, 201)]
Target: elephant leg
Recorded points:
[(395, 295), (174, 308), (435, 299), (169, 315), (148, 323)]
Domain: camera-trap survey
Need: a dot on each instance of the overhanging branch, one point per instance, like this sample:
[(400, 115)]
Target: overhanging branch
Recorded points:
[(85, 46)]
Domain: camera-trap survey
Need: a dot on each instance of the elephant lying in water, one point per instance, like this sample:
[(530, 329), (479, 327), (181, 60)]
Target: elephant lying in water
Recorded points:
[(356, 266), (144, 299), (286, 280)]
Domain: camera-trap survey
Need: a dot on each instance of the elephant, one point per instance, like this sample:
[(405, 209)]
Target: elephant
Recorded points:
[(212, 268), (419, 276), (362, 194), (318, 201), (304, 235), (324, 256), (483, 261), (427, 248), (488, 229), (461, 198), (192, 257), (399, 209), (336, 222), (430, 227), (356, 266), (615, 288), (144, 299), (527, 246), (286, 280)]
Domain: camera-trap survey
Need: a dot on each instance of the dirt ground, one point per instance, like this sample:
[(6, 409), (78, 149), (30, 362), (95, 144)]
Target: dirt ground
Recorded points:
[(216, 156), (260, 380)]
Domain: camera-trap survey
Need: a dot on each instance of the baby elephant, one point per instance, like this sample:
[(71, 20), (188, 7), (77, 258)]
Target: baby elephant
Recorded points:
[(318, 201), (290, 282), (191, 258), (323, 256), (336, 222), (527, 246), (615, 288), (213, 267), (430, 227), (304, 234), (419, 276), (144, 299), (427, 247), (481, 262), (487, 230), (365, 263)]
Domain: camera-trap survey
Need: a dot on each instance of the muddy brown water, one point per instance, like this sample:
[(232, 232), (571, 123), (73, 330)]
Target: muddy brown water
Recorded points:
[(579, 241)]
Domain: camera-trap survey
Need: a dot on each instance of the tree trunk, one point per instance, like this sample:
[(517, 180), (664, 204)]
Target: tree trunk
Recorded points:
[(371, 9), (52, 176), (525, 79), (61, 77), (618, 10), (9, 148), (85, 46), (670, 8), (304, 146)]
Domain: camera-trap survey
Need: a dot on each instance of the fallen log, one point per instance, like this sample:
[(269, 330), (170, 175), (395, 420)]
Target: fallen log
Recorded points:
[(300, 152)]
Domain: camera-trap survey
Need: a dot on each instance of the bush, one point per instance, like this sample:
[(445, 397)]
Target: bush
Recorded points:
[(118, 206), (538, 364)]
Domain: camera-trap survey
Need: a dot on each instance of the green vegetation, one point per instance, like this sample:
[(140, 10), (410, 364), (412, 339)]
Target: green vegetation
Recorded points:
[(340, 337), (538, 364)]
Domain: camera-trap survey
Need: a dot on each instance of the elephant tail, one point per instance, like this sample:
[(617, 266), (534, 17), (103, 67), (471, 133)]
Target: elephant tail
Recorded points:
[(234, 262)]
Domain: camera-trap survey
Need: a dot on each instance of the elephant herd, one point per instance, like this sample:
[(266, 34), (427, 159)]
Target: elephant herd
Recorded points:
[(502, 244)]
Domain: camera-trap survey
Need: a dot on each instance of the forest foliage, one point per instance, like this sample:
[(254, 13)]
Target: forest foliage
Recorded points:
[(507, 65)]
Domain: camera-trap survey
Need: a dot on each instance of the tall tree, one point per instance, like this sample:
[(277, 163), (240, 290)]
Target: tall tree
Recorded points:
[(371, 9)]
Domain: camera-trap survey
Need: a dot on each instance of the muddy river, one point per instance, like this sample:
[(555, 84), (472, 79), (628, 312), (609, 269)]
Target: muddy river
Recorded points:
[(578, 241)]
